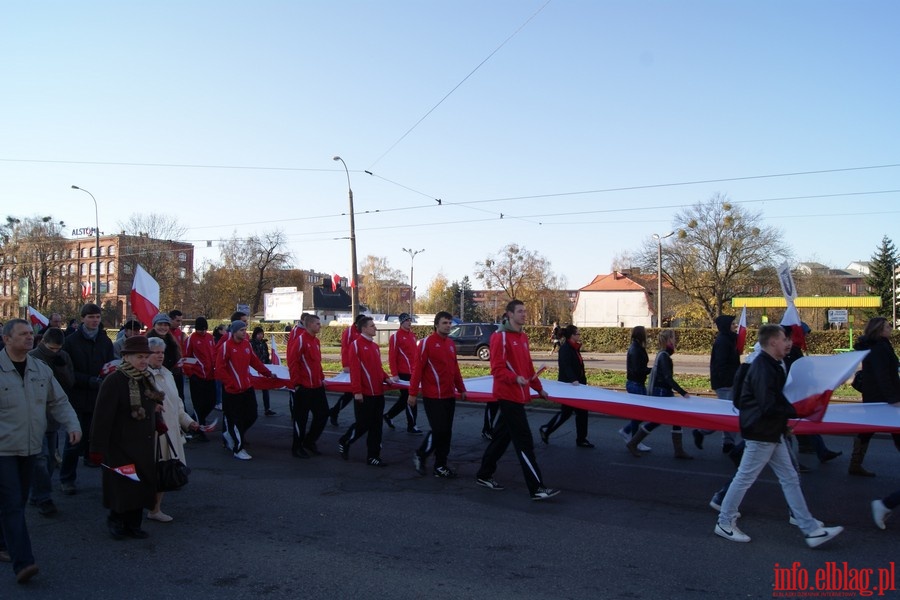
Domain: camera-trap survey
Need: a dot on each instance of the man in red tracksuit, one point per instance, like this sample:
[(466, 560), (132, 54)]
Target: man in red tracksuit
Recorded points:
[(436, 372), (367, 378), (402, 360), (234, 357), (304, 355), (513, 374), (200, 345), (347, 337)]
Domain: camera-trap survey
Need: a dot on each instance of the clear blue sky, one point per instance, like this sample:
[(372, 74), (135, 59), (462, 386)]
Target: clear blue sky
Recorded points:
[(589, 95)]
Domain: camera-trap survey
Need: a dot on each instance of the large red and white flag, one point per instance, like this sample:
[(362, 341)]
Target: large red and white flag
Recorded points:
[(276, 360), (36, 318), (742, 331), (87, 289), (335, 282), (144, 296)]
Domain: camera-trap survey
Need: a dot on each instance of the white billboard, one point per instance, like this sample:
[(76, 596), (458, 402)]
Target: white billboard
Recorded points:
[(283, 306)]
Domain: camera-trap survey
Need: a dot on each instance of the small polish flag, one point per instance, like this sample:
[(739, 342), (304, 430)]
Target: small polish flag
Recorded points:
[(37, 318), (792, 317), (125, 470), (335, 282), (742, 331), (144, 296), (276, 360), (87, 290), (110, 367)]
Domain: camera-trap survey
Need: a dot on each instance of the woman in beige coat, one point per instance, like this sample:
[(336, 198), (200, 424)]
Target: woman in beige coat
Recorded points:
[(173, 414)]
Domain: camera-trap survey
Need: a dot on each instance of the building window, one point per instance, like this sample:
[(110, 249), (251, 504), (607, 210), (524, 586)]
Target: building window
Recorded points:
[(71, 269), (111, 251), (111, 268), (182, 257), (93, 268), (126, 268), (93, 251), (84, 268), (182, 272), (84, 252)]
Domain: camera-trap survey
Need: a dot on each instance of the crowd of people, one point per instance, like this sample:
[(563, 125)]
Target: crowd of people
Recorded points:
[(122, 407)]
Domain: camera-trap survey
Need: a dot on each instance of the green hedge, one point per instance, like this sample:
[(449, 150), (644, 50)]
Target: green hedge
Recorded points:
[(690, 340)]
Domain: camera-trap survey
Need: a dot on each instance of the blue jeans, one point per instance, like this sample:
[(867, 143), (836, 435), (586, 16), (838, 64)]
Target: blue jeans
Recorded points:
[(44, 465), (633, 387), (15, 479), (756, 456)]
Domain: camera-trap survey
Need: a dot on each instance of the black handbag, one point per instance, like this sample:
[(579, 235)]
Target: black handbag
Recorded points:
[(857, 383), (171, 474)]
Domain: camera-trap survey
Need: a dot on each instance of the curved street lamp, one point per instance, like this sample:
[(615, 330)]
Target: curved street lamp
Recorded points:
[(354, 280), (412, 290), (97, 248), (659, 240)]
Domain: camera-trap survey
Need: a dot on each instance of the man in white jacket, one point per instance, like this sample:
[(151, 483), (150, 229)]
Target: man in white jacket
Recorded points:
[(29, 392)]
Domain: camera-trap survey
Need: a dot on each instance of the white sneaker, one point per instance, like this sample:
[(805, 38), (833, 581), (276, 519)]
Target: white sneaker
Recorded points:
[(644, 447), (794, 522), (880, 513), (625, 436), (242, 455), (732, 533), (822, 535)]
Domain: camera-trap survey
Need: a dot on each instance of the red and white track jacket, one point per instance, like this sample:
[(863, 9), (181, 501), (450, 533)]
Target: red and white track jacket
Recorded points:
[(348, 336), (233, 362), (402, 352), (436, 370), (367, 374), (305, 361), (510, 358), (202, 346)]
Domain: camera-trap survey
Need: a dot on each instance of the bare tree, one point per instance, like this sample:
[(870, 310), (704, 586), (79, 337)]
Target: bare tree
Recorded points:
[(526, 275), (141, 246), (33, 248), (718, 253), (383, 288)]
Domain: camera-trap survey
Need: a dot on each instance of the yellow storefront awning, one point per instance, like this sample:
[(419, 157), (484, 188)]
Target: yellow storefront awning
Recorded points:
[(809, 302)]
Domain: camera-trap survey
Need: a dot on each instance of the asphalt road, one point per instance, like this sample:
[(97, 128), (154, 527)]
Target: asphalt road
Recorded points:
[(280, 527)]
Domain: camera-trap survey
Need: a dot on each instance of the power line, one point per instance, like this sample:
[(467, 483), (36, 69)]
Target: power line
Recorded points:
[(472, 72)]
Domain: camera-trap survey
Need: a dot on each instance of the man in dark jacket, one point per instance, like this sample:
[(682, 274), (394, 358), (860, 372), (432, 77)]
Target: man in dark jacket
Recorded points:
[(90, 348), (723, 364), (764, 414)]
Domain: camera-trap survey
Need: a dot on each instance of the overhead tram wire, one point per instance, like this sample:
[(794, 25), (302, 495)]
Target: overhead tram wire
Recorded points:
[(464, 79)]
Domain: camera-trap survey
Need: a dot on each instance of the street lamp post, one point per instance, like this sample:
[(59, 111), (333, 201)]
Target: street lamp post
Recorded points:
[(97, 247), (659, 240), (412, 290), (354, 280)]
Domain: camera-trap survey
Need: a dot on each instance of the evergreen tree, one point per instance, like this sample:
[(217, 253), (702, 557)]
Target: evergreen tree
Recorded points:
[(881, 269)]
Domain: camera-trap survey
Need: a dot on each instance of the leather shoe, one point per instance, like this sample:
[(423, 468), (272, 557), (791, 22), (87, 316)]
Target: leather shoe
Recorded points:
[(300, 453), (545, 437), (584, 444), (312, 448), (116, 529), (26, 573), (136, 533), (830, 455)]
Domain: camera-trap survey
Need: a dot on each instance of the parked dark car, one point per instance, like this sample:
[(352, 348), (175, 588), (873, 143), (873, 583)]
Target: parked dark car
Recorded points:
[(473, 339)]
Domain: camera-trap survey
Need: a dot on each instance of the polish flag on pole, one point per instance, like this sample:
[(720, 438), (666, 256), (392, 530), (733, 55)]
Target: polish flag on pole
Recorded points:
[(87, 290), (36, 318), (335, 282), (144, 296), (792, 317), (742, 331), (276, 360)]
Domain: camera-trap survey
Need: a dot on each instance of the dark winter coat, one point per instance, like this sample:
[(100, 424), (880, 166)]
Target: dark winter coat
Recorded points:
[(261, 350), (724, 359), (637, 364), (664, 378), (880, 380), (571, 365), (88, 357), (764, 409), (124, 440)]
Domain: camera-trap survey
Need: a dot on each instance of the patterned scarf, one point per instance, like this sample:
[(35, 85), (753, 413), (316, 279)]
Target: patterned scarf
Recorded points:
[(134, 391)]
